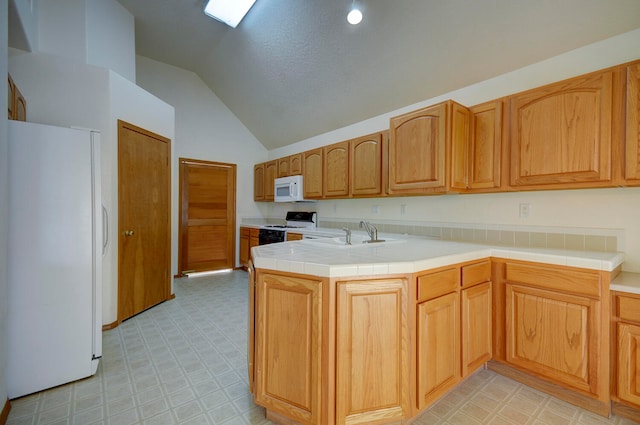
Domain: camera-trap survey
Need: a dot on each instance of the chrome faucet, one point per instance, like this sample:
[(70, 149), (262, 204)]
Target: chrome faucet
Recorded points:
[(370, 229), (347, 237)]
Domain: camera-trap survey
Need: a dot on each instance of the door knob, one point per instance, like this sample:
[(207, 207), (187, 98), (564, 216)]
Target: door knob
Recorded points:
[(128, 232)]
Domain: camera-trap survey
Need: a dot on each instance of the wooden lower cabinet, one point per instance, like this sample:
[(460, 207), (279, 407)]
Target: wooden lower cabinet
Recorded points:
[(294, 236), (552, 334), (477, 322), (289, 352), (372, 351), (626, 344), (248, 239), (555, 324), (438, 347), (244, 246), (629, 363)]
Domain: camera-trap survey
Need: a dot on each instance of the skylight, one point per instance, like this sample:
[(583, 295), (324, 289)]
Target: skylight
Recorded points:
[(230, 12)]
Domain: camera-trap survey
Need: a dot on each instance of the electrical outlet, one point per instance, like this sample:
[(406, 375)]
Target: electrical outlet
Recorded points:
[(525, 210), (403, 209), (375, 209)]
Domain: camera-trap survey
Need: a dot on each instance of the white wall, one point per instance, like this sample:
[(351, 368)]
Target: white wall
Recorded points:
[(95, 32), (134, 105), (111, 37), (62, 89), (4, 212), (62, 29), (24, 32), (63, 93), (616, 208), (205, 129)]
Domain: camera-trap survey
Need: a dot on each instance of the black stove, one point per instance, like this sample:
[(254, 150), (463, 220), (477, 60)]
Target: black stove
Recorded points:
[(272, 233)]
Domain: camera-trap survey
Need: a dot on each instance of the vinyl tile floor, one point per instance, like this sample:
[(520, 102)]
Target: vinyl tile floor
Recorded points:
[(184, 362)]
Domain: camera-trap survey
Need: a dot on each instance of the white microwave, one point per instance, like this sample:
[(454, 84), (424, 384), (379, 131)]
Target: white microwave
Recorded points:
[(288, 189)]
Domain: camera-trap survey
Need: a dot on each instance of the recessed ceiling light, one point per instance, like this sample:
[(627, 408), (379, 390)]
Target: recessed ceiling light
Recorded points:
[(230, 12), (355, 16)]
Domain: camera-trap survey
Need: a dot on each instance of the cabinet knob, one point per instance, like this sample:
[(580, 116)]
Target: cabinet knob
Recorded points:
[(128, 232)]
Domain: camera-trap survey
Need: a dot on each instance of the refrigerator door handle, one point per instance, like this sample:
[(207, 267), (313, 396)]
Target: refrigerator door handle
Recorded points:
[(105, 229)]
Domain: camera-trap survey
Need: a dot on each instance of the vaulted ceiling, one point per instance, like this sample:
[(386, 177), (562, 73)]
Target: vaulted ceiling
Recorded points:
[(294, 69)]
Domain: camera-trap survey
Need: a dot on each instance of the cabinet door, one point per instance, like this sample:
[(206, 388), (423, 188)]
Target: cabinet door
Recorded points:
[(312, 172), (294, 236), (270, 171), (554, 335), (295, 164), (632, 145), (418, 144), (251, 326), (19, 106), (476, 166), (476, 327), (283, 167), (628, 363), (11, 96), (561, 134), (336, 170), (288, 347), (244, 246), (438, 347), (417, 150), (254, 239), (371, 351), (365, 156), (258, 182)]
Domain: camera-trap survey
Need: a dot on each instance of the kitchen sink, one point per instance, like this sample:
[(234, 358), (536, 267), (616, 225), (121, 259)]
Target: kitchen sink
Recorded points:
[(356, 241)]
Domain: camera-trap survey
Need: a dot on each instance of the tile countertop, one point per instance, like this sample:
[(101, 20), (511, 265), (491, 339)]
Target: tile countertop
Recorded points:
[(408, 254), (626, 282)]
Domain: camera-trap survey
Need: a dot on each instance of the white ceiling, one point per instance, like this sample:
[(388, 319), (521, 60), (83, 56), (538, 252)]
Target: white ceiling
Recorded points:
[(294, 69)]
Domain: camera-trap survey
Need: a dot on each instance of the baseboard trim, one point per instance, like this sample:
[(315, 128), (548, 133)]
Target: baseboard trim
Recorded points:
[(110, 326), (596, 406), (4, 416), (625, 411)]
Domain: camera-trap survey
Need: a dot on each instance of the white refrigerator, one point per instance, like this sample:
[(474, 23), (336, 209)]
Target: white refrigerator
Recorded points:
[(55, 257)]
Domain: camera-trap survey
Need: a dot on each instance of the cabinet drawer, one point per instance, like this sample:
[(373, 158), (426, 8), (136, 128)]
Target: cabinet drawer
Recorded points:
[(628, 308), (438, 283), (476, 273), (244, 232), (577, 282)]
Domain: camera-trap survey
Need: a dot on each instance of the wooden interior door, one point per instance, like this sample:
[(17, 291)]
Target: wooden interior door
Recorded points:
[(207, 216), (144, 220)]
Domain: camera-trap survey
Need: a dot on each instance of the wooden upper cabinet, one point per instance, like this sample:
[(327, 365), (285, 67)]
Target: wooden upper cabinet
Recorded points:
[(290, 165), (561, 135), (295, 164), (11, 96), (284, 165), (365, 164), (258, 182), (632, 139), (270, 172), (312, 171), (419, 142), (17, 105), (476, 164), (336, 170)]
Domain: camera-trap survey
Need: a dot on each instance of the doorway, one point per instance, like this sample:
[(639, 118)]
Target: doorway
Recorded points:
[(144, 220), (207, 225)]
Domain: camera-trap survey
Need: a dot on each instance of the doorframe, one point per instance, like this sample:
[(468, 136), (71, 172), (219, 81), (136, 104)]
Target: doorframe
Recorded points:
[(167, 283), (181, 210)]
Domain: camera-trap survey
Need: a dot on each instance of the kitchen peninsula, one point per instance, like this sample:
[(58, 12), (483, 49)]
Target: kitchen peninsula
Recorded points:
[(376, 333)]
